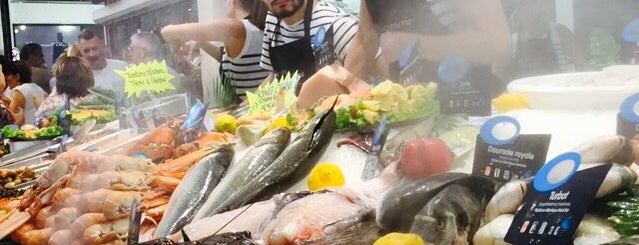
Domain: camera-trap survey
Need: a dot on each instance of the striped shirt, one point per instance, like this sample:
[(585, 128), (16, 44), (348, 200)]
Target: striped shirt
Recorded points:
[(245, 68), (324, 14)]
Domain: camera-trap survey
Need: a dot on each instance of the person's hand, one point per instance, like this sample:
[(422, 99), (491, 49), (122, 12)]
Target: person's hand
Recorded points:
[(392, 43)]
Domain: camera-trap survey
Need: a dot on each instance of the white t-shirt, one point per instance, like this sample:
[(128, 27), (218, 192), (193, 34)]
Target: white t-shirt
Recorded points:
[(324, 14), (30, 91), (245, 68), (105, 78)]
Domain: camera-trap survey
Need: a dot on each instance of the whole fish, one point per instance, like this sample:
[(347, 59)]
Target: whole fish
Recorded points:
[(193, 190), (398, 207), (453, 215), (258, 157), (294, 160)]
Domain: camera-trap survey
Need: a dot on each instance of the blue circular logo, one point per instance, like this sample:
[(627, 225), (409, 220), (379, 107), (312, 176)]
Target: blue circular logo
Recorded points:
[(319, 37), (404, 55), (631, 31), (500, 130), (629, 108), (453, 69), (556, 172)]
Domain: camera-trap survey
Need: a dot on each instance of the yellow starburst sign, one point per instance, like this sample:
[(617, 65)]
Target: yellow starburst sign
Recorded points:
[(146, 77)]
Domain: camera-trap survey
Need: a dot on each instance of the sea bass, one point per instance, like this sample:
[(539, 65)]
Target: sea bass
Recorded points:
[(193, 190), (399, 206), (453, 215), (311, 141), (258, 157)]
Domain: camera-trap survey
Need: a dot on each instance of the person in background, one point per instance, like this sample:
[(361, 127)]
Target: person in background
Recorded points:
[(59, 46), (5, 117), (94, 50), (74, 76), (26, 96), (543, 46), (290, 28), (476, 30), (241, 32), (146, 47), (31, 54)]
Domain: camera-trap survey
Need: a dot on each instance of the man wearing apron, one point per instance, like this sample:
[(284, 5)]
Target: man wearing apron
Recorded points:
[(476, 30), (291, 26)]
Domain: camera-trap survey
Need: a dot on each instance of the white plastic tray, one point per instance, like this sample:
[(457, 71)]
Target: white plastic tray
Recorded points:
[(583, 91)]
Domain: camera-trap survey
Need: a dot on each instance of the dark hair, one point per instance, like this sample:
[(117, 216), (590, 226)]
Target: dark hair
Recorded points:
[(88, 34), (73, 76), (23, 70), (28, 49), (8, 68), (257, 12)]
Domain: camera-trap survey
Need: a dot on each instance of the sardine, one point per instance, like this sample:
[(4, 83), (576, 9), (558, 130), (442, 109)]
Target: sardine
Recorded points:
[(193, 190), (397, 210), (258, 157), (295, 161), (453, 215)]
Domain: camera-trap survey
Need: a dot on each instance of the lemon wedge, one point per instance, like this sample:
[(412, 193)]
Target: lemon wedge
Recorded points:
[(510, 101), (225, 123), (325, 175), (399, 239)]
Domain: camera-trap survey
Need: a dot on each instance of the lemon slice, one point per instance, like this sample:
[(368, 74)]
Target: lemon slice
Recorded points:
[(325, 175)]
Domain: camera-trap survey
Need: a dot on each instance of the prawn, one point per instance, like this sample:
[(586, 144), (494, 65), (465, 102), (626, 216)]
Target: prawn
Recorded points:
[(65, 217), (41, 217), (37, 237), (106, 232), (20, 234), (118, 204), (61, 237), (85, 221)]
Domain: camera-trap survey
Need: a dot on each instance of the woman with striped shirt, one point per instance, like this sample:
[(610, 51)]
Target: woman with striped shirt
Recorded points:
[(241, 33)]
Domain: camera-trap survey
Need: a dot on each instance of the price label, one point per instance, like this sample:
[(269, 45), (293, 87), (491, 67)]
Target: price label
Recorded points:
[(556, 202), (502, 154), (457, 92), (146, 77)]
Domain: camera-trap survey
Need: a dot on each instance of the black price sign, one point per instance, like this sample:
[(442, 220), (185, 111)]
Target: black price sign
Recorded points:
[(408, 70), (458, 92), (504, 155), (556, 202)]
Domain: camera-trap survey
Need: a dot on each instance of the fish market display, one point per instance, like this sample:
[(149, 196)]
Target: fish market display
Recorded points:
[(306, 217), (255, 160), (294, 157), (192, 191)]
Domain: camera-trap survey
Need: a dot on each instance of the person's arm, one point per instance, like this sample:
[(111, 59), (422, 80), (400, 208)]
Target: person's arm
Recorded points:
[(362, 49), (229, 31), (211, 49), (486, 40), (17, 107)]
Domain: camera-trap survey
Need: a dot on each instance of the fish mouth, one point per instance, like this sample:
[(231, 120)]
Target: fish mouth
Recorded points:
[(320, 127)]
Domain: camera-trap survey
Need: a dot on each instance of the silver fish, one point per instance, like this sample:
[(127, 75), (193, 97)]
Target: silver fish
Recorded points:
[(606, 149), (193, 190), (294, 160), (258, 157), (398, 207), (453, 215)]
